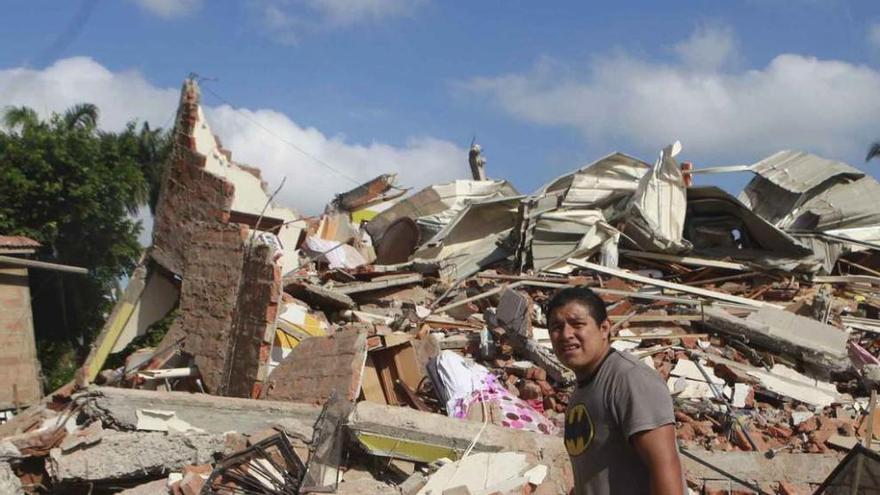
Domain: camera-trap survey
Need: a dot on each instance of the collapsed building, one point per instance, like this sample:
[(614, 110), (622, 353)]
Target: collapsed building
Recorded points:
[(398, 344)]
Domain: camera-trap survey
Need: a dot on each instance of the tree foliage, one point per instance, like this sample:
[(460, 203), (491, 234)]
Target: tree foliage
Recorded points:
[(76, 190)]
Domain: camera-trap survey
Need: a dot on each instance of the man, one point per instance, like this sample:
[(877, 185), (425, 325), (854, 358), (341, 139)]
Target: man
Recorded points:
[(619, 426)]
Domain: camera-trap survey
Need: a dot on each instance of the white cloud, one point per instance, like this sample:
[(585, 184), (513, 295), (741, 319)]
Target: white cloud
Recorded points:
[(346, 12), (795, 101), (709, 48), (123, 96), (120, 96), (874, 34), (288, 20), (310, 185), (169, 9)]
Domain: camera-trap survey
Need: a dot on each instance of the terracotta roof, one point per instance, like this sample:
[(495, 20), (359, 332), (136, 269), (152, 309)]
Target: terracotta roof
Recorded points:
[(17, 241)]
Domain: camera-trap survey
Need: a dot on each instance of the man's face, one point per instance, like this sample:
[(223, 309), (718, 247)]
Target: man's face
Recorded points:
[(578, 341)]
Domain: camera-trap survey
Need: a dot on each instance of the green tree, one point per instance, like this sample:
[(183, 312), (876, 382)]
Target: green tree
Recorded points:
[(76, 189)]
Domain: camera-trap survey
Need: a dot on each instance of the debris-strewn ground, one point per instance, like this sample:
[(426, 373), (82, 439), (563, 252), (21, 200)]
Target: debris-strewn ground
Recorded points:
[(397, 343)]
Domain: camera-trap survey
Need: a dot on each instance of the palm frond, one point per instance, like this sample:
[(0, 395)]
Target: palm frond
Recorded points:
[(81, 116), (14, 117)]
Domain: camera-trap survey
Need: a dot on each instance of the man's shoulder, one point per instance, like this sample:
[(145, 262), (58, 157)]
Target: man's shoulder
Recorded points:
[(624, 367), (624, 362)]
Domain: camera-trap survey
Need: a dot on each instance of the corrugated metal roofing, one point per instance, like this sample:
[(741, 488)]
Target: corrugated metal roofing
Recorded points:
[(17, 241), (799, 172), (605, 179)]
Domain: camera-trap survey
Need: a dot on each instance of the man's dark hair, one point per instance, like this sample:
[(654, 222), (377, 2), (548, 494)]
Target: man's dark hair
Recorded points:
[(582, 295)]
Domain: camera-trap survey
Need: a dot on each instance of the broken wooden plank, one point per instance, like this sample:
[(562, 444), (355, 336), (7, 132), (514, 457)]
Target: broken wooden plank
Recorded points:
[(846, 279), (113, 327), (411, 397), (685, 260), (357, 287), (662, 336), (317, 296), (653, 318), (711, 294)]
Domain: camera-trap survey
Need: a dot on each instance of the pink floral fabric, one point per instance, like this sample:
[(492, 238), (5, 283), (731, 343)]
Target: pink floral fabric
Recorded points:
[(517, 413)]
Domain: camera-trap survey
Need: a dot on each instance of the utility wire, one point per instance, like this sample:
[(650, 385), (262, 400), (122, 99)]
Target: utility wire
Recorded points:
[(282, 139)]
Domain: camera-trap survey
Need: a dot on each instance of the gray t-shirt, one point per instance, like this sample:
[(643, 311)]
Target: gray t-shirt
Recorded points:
[(622, 398)]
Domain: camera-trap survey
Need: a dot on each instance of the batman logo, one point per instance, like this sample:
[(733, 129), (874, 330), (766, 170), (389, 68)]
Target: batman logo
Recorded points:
[(578, 430)]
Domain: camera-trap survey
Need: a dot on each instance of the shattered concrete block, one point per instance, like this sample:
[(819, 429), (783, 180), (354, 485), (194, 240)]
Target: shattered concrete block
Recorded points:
[(514, 315), (158, 420), (413, 484), (126, 455), (481, 474), (822, 347), (87, 436), (217, 415), (9, 451), (319, 366), (9, 482), (513, 312), (405, 433), (757, 467)]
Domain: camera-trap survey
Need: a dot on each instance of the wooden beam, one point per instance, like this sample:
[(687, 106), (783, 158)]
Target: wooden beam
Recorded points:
[(684, 260), (711, 294)]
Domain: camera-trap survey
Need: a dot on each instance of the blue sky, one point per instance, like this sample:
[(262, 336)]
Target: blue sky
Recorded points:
[(403, 85)]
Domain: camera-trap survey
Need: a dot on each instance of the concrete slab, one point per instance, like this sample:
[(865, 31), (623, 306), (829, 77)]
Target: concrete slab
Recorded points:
[(9, 482), (122, 455), (118, 407)]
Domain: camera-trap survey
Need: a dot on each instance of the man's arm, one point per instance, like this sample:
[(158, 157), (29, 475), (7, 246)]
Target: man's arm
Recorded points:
[(658, 451)]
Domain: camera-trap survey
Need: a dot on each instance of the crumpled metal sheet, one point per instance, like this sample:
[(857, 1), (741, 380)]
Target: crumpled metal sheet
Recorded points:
[(474, 238), (600, 183), (717, 222), (799, 172), (559, 234), (802, 192), (436, 206), (656, 211)]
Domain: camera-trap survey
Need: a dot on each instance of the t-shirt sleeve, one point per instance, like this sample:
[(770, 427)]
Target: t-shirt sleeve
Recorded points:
[(641, 402)]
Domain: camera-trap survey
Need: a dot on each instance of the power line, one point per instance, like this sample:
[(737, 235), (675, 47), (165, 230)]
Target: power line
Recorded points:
[(283, 139), (72, 31)]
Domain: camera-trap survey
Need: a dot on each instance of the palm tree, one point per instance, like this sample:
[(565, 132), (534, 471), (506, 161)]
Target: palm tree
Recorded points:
[(20, 117), (81, 116), (154, 148)]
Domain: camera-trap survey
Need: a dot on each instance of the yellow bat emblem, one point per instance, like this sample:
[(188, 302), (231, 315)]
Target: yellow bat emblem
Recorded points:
[(578, 430)]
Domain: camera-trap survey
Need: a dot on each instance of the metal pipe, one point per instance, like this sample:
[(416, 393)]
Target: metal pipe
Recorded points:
[(43, 265)]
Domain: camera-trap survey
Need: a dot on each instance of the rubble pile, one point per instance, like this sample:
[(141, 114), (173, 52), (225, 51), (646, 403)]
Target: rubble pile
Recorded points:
[(397, 343)]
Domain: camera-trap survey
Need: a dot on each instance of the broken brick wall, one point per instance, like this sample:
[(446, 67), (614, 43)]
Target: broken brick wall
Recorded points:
[(319, 366), (227, 306), (256, 312), (190, 195)]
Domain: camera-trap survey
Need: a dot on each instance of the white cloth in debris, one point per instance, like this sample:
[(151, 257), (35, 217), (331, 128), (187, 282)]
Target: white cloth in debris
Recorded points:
[(343, 256), (460, 377)]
